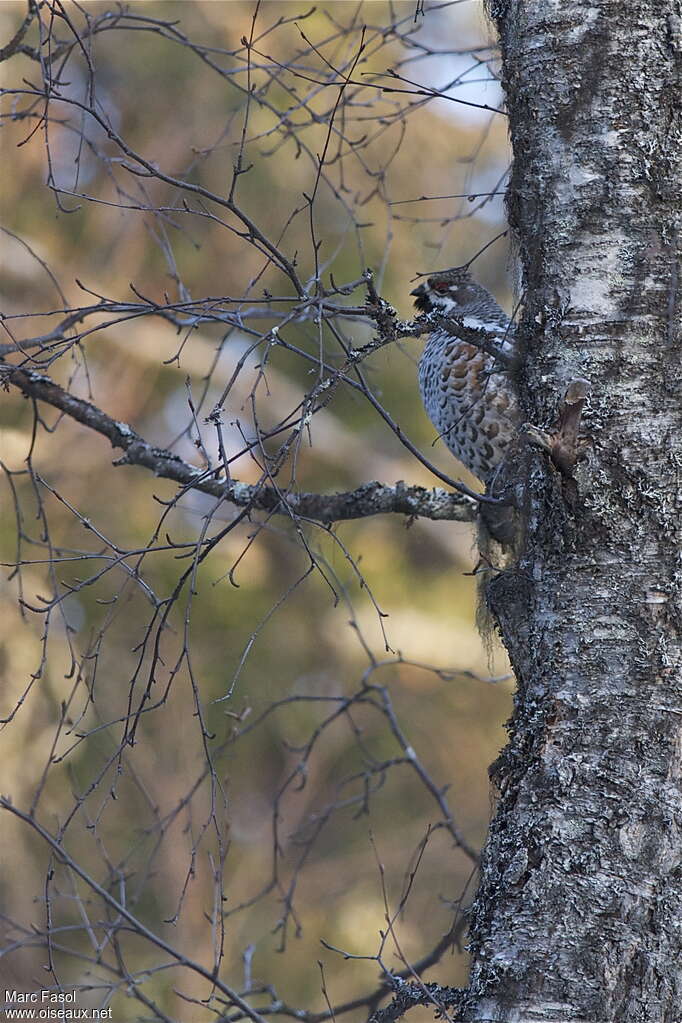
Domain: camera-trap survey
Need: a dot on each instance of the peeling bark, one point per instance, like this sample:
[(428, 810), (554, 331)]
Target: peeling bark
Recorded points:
[(579, 915)]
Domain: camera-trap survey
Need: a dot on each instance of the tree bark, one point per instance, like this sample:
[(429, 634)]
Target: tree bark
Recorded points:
[(579, 914)]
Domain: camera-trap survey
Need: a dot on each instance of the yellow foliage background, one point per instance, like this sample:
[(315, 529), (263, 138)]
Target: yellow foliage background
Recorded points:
[(139, 816)]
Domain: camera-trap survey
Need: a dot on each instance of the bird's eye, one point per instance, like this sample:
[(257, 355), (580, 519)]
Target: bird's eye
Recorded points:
[(441, 287)]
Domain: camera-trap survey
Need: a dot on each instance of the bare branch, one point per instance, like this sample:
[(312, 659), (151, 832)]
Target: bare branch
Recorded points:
[(369, 499)]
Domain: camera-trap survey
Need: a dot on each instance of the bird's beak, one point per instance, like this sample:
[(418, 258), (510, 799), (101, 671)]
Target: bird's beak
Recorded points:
[(421, 290)]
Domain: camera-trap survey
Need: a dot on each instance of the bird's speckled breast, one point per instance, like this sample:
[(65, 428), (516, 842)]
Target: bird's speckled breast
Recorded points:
[(473, 408)]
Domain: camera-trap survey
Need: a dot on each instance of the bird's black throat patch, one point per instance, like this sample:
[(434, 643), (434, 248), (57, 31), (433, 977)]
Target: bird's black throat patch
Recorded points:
[(422, 302)]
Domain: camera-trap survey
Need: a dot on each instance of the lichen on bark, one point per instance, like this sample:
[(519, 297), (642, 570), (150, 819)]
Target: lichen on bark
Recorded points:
[(579, 914)]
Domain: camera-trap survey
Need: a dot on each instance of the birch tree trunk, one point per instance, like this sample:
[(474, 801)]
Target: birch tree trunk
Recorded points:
[(579, 916)]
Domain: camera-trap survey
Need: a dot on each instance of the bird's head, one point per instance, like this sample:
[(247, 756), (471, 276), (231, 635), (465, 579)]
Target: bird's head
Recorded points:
[(449, 291)]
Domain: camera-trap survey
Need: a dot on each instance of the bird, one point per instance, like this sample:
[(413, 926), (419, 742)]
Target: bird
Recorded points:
[(468, 394)]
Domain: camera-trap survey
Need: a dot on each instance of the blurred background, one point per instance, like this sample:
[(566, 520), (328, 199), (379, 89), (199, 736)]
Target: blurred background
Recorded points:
[(312, 712)]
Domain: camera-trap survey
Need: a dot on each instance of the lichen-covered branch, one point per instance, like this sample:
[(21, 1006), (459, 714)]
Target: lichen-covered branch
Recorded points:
[(369, 499), (437, 998)]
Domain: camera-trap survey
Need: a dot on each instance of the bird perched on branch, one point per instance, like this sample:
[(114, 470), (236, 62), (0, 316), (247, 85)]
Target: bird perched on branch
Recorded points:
[(464, 377)]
